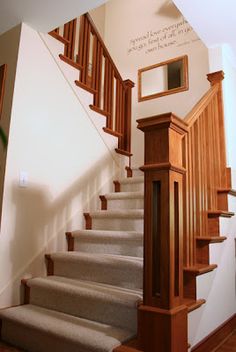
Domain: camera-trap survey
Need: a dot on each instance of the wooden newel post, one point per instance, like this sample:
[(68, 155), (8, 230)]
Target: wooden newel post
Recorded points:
[(125, 140), (162, 325)]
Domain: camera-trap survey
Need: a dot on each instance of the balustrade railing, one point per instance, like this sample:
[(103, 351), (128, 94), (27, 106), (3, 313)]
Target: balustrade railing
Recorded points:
[(86, 51)]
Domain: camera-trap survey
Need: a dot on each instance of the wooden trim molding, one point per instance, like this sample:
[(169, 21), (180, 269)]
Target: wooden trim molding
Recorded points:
[(183, 87), (70, 241), (3, 72), (216, 337)]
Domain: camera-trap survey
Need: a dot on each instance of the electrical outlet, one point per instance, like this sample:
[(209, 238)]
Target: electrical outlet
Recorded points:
[(23, 180)]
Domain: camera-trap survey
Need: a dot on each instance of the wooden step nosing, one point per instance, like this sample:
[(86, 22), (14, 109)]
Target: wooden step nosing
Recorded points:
[(84, 86), (200, 270), (70, 62), (212, 239), (99, 111)]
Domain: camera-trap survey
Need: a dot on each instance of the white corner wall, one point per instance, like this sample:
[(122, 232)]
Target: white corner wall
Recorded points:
[(66, 161), (145, 32)]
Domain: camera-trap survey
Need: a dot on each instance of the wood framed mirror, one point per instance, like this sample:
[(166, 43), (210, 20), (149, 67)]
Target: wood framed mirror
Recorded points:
[(164, 78)]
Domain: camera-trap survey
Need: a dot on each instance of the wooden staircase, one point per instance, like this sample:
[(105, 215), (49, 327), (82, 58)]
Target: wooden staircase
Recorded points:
[(186, 185)]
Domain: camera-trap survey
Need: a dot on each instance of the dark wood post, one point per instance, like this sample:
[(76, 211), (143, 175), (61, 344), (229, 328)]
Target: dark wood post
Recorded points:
[(125, 140), (163, 317)]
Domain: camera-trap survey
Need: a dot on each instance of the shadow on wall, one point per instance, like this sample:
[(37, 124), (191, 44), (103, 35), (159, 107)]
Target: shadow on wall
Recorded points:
[(40, 223)]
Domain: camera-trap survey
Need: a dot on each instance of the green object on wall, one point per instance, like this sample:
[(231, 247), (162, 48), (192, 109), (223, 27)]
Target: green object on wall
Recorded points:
[(3, 137)]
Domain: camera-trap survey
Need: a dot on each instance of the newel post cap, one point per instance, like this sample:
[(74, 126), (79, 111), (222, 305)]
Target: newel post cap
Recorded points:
[(168, 120), (215, 77), (129, 83)]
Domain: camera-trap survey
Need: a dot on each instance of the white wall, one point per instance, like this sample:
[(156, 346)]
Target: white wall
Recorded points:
[(218, 286), (140, 33), (67, 162)]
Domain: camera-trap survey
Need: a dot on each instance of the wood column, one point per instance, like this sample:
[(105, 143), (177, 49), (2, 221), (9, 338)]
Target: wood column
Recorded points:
[(216, 78), (162, 323), (125, 140)]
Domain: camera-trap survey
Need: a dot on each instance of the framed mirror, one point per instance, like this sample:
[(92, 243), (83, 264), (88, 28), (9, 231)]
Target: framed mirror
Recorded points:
[(165, 78)]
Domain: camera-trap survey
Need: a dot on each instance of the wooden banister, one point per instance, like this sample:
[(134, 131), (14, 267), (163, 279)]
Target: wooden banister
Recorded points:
[(86, 51), (185, 182)]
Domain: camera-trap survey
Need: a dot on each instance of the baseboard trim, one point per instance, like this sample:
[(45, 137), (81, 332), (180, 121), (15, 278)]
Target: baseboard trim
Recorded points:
[(216, 337)]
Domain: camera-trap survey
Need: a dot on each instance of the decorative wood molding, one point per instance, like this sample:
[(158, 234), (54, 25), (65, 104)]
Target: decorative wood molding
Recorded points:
[(216, 337), (113, 133), (26, 291), (129, 171), (200, 269), (123, 152), (70, 241), (50, 265), (70, 62), (59, 37), (103, 202), (117, 186), (99, 111), (84, 86), (215, 77), (88, 221)]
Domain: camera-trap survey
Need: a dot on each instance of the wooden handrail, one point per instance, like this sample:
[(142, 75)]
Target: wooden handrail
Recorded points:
[(197, 110), (86, 51)]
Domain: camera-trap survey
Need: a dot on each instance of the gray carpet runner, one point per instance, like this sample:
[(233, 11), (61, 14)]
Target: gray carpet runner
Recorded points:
[(89, 304)]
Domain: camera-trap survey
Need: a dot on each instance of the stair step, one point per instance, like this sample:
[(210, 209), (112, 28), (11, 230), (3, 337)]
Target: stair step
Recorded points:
[(193, 304), (200, 269), (37, 329), (123, 200), (98, 302), (132, 220), (132, 184), (114, 270), (218, 213), (211, 239), (128, 243)]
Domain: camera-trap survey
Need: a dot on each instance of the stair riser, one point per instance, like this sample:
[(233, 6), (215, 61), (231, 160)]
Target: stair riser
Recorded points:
[(132, 187), (85, 306), (113, 204), (117, 224), (127, 277), (36, 341), (131, 248)]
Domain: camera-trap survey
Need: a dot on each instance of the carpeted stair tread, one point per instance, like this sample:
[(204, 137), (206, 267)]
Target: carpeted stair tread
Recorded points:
[(124, 195), (110, 269), (37, 329), (108, 235), (89, 300), (130, 180), (118, 214), (128, 243)]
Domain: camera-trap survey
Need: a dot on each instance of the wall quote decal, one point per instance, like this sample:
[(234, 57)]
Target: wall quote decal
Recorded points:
[(153, 40)]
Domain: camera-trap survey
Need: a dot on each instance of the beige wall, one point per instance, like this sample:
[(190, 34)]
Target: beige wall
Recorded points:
[(140, 33), (99, 15), (67, 162)]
